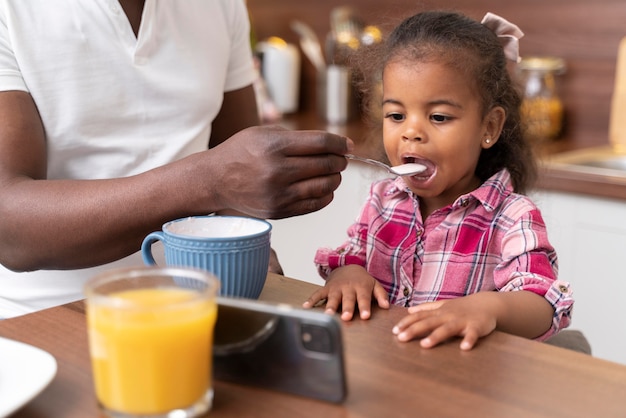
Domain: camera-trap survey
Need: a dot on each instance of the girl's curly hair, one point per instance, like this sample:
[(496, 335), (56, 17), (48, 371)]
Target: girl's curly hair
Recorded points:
[(467, 45)]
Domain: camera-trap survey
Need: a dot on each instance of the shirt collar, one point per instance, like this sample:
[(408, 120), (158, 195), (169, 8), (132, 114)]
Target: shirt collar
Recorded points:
[(494, 190), (490, 194)]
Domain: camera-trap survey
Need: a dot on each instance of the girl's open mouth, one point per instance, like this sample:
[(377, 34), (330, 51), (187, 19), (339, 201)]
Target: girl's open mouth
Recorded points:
[(424, 175)]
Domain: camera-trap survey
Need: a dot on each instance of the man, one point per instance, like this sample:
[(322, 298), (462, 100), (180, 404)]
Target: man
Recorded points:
[(107, 109)]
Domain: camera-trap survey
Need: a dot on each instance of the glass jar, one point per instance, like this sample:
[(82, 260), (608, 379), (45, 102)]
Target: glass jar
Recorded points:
[(542, 109)]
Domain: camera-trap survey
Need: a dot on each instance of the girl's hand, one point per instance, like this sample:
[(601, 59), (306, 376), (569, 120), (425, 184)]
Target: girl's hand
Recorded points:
[(347, 287), (439, 321)]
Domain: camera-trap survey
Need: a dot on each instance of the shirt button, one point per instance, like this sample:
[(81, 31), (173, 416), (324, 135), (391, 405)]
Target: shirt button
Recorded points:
[(464, 202), (563, 288), (405, 292), (114, 8)]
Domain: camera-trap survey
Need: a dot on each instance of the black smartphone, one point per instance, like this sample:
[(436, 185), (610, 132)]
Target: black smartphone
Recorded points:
[(279, 347)]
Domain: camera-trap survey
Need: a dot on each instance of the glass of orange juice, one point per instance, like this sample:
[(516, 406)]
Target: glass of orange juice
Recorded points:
[(150, 340)]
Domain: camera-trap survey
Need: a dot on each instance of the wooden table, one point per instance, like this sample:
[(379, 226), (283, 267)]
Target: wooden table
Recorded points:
[(504, 376)]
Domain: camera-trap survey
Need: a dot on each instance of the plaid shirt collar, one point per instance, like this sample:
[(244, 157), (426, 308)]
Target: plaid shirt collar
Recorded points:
[(490, 194)]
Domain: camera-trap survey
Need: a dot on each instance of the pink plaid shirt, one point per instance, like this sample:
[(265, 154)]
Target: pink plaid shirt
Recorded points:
[(489, 239)]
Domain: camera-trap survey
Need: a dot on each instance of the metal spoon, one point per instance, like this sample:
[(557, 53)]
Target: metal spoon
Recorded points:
[(408, 169)]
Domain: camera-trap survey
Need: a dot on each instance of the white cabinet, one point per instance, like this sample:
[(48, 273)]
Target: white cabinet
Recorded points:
[(589, 234)]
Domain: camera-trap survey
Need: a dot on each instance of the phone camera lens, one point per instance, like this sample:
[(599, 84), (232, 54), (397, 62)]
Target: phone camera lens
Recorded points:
[(316, 338)]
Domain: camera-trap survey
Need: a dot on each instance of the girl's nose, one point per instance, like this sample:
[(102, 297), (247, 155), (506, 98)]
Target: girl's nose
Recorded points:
[(412, 133), (412, 138)]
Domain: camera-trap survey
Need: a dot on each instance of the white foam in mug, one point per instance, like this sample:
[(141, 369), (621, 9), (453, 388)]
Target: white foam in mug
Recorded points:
[(217, 226)]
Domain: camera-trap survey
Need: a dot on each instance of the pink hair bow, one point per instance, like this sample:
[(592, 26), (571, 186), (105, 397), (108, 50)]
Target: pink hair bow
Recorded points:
[(508, 34)]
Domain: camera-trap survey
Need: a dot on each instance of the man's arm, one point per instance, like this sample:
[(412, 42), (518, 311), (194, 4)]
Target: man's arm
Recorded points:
[(61, 224), (238, 112), (67, 223)]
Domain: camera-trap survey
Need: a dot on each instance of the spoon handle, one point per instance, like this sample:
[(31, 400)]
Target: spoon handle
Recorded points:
[(369, 161)]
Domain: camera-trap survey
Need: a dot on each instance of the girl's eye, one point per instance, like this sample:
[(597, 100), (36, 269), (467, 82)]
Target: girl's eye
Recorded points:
[(439, 118), (396, 117)]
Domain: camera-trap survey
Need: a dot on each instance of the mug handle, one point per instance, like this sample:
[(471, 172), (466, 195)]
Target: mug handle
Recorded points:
[(146, 247)]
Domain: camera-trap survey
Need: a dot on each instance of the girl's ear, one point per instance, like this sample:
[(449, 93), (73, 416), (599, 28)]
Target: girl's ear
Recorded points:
[(494, 121)]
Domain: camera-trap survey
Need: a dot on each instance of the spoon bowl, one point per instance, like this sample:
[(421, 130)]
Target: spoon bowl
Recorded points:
[(408, 169)]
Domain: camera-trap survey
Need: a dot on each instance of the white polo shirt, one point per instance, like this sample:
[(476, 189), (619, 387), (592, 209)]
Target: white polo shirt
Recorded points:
[(113, 104)]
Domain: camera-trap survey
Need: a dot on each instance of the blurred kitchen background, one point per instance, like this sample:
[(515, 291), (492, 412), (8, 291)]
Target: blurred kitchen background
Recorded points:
[(582, 186), (585, 35)]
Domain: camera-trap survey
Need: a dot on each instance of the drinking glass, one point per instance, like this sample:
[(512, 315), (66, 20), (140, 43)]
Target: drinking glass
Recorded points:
[(150, 338)]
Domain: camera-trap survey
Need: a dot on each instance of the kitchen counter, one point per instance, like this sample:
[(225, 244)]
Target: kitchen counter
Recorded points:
[(569, 180), (554, 177), (561, 170)]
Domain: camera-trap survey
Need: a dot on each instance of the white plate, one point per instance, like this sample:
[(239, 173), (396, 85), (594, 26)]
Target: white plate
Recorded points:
[(24, 372)]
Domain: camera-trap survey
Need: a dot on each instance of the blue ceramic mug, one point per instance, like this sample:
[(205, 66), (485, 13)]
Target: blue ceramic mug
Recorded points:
[(235, 249)]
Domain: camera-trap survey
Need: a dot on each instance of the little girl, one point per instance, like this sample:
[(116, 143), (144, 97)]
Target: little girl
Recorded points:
[(459, 244)]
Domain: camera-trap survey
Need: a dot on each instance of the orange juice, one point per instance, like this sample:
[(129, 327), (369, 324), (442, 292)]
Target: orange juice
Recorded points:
[(153, 355)]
